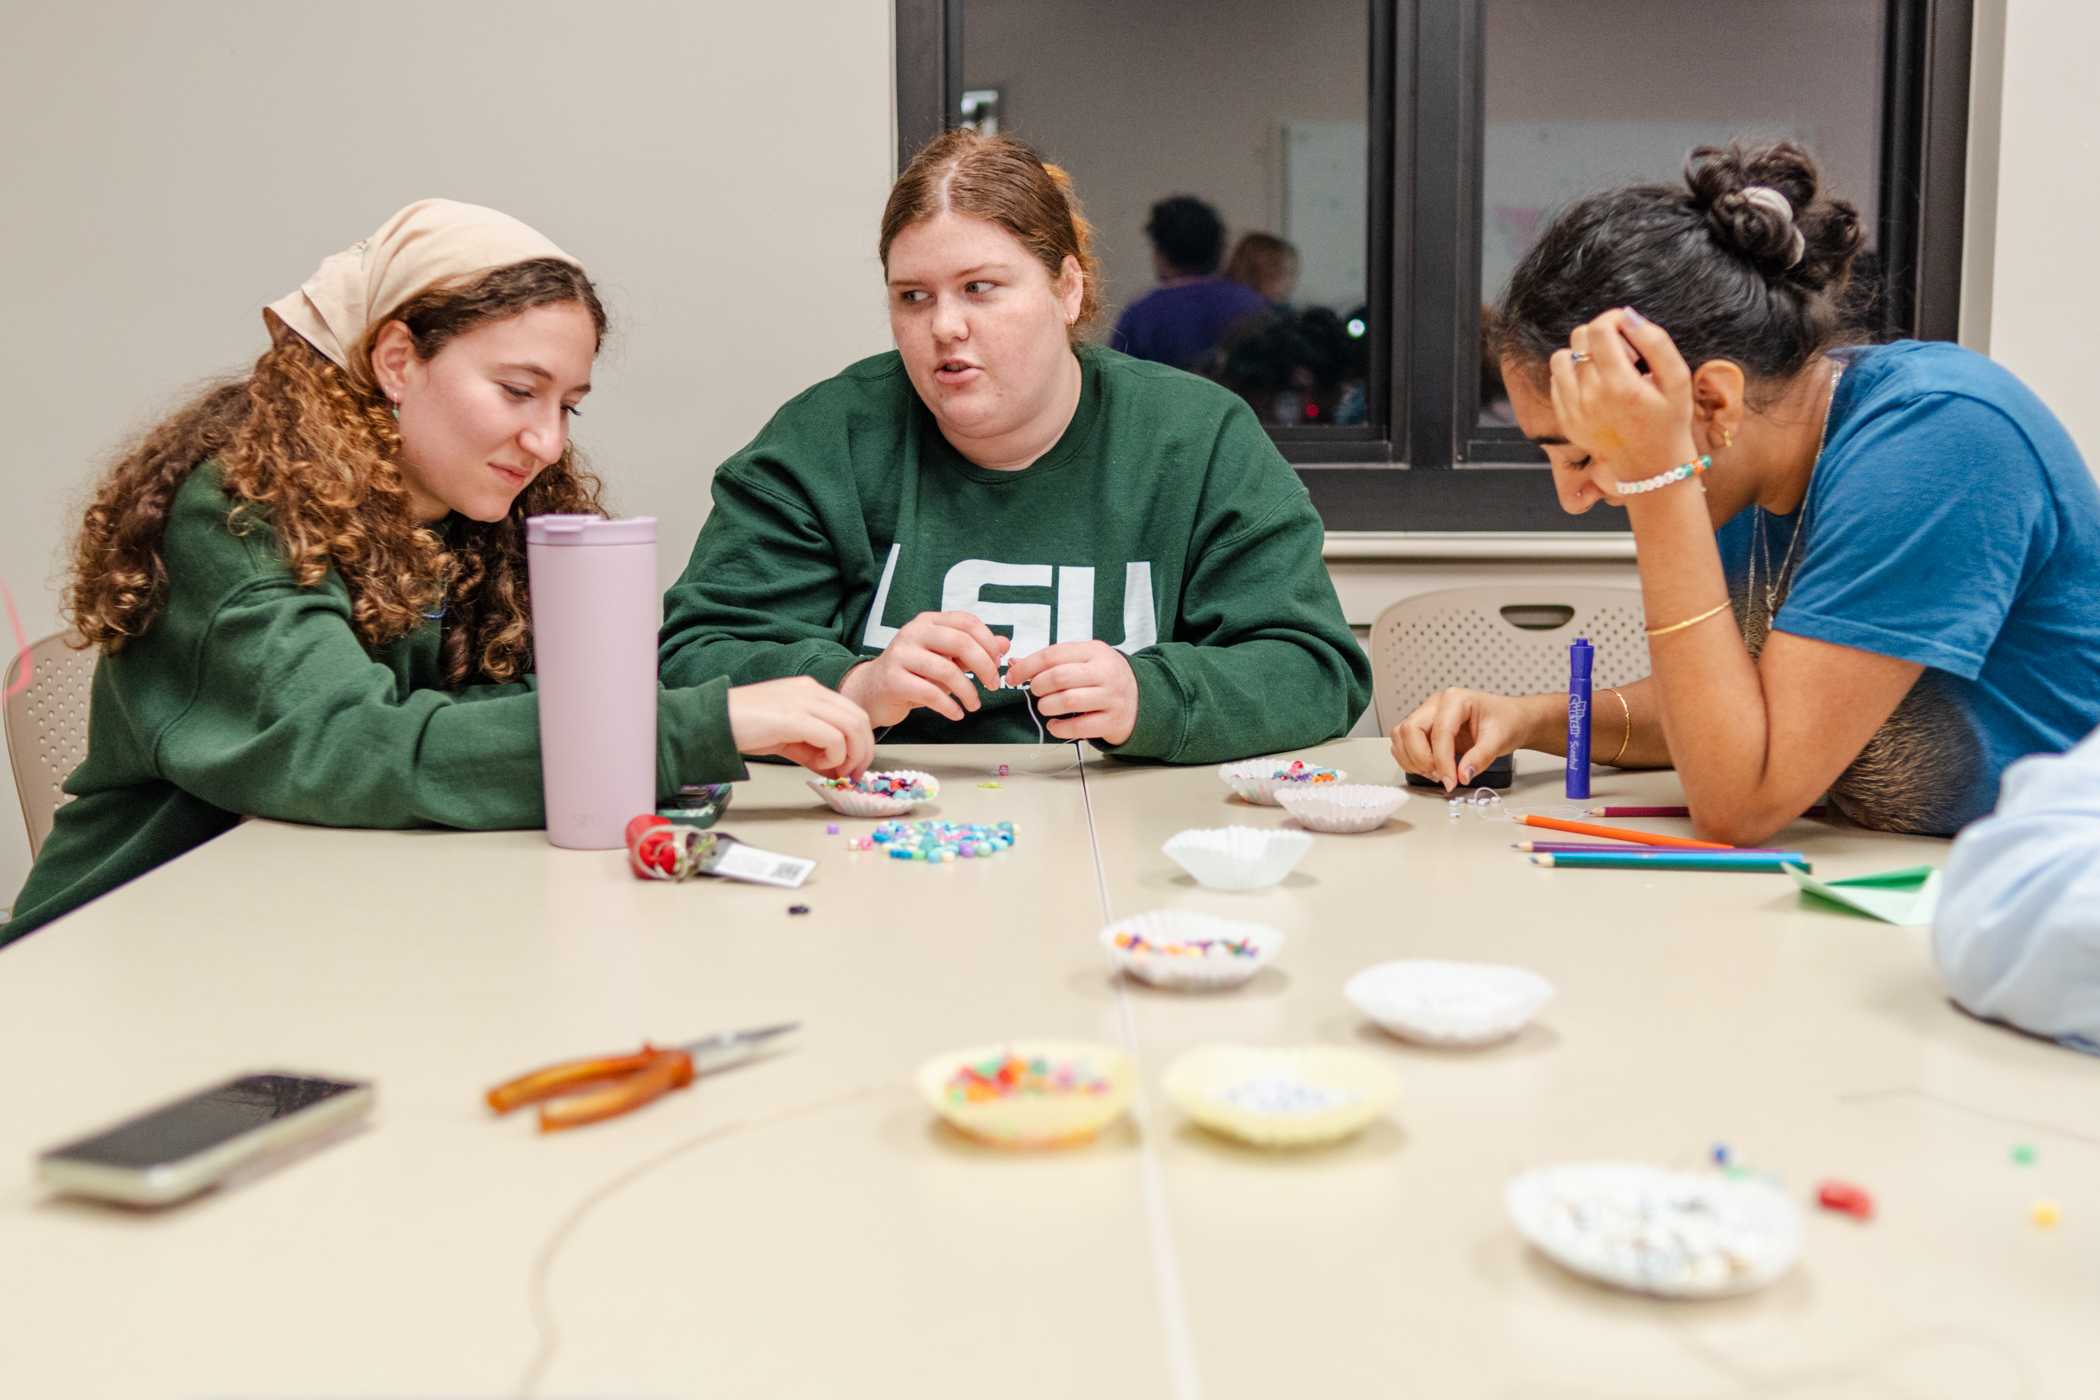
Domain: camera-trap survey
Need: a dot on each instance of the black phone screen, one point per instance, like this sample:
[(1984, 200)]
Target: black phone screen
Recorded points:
[(203, 1120), (1496, 775)]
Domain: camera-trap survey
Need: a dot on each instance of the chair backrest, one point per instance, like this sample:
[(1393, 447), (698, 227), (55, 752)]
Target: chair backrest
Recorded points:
[(1511, 639), (47, 730)]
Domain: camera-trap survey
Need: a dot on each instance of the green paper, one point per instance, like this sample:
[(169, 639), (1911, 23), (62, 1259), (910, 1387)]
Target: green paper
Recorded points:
[(1906, 897)]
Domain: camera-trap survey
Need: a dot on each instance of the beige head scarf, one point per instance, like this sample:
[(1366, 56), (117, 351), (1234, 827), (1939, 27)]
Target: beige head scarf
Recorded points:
[(430, 241)]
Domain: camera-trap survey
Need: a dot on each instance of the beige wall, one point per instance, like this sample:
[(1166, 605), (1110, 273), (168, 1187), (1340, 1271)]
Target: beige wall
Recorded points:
[(168, 168)]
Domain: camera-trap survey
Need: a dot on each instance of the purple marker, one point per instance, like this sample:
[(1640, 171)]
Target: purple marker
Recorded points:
[(1580, 655)]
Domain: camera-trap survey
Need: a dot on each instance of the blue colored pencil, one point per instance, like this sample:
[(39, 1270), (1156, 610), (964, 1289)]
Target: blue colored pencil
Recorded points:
[(1769, 861)]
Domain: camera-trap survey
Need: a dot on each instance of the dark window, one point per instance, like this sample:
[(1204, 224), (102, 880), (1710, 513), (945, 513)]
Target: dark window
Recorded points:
[(1394, 158)]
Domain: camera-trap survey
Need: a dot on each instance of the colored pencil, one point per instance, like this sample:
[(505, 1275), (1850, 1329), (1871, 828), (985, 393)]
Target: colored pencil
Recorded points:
[(1772, 862), (1816, 811), (1617, 833), (1579, 847)]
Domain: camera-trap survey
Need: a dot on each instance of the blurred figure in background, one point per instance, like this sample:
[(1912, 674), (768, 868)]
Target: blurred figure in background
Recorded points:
[(1267, 264), (1182, 320)]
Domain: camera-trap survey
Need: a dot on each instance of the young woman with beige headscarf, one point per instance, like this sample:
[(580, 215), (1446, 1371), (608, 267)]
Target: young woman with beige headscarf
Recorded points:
[(308, 584)]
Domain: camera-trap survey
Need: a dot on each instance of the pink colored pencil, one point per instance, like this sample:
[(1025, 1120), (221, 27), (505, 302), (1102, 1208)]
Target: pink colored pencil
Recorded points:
[(1566, 848)]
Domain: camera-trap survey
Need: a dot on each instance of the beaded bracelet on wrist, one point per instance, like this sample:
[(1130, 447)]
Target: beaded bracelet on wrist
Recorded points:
[(1696, 467)]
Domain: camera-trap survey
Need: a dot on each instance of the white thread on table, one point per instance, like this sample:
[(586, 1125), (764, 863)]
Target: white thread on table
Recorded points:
[(1166, 1268)]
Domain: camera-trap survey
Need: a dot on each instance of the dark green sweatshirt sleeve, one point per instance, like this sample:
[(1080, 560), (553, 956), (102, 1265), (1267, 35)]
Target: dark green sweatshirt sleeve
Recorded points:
[(290, 718), (1262, 660), (771, 599)]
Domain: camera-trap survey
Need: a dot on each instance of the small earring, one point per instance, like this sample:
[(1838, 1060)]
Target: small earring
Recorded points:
[(1727, 439), (394, 407)]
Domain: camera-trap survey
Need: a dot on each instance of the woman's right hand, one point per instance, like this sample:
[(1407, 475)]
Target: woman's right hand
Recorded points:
[(803, 721), (1454, 734), (924, 668)]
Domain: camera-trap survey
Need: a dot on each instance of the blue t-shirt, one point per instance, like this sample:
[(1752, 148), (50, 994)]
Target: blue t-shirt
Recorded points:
[(1180, 325), (1951, 522)]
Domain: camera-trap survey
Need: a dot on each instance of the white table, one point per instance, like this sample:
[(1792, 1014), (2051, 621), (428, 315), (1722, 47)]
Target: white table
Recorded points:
[(802, 1226)]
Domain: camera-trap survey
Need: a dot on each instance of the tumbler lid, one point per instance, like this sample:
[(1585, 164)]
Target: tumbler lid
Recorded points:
[(589, 529)]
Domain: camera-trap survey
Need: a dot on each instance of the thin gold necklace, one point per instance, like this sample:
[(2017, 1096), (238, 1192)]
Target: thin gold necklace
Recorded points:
[(1762, 545)]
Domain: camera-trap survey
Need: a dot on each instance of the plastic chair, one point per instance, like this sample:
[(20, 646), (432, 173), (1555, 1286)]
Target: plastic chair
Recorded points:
[(1510, 640), (47, 730)]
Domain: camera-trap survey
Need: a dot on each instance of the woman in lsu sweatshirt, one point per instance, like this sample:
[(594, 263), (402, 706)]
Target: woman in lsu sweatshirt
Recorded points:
[(308, 584), (997, 495)]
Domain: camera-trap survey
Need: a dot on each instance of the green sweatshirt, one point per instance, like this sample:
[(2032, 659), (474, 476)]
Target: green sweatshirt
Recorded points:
[(1163, 521), (252, 695)]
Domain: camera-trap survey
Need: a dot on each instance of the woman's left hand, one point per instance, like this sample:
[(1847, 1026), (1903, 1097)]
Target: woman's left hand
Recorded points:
[(1088, 686), (1633, 425)]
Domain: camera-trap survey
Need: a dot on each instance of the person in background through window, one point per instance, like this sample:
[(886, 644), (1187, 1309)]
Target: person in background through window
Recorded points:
[(1182, 320), (1267, 264)]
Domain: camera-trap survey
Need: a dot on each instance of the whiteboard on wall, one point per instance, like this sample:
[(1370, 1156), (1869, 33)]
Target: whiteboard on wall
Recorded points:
[(1325, 167), (1531, 169)]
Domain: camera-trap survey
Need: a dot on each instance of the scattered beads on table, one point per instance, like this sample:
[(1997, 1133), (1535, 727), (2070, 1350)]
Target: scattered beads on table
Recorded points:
[(1843, 1196), (798, 909), (1720, 1154), (2023, 1155), (1297, 772), (2046, 1213), (1189, 947), (1005, 771), (1281, 1095), (938, 842), (1009, 1076), (831, 828)]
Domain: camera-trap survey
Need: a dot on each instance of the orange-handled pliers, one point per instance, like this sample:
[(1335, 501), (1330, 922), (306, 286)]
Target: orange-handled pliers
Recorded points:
[(636, 1079)]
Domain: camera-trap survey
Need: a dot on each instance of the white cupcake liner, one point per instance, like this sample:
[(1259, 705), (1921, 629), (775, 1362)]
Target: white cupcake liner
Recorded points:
[(1673, 1234), (1033, 1120), (1255, 780), (1343, 808), (1211, 970), (1237, 857), (852, 802), (1449, 1003), (1291, 1097)]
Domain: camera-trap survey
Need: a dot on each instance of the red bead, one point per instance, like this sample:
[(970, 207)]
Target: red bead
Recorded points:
[(1842, 1195)]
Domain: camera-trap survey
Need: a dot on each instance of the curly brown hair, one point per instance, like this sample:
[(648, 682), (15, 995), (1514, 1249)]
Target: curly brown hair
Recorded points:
[(309, 451)]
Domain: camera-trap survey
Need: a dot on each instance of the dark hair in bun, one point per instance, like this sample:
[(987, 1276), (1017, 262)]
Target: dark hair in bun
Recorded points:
[(1747, 260)]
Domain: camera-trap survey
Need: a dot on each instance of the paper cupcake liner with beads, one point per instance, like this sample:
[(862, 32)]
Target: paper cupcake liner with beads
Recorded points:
[(1649, 1230), (1293, 1097), (1433, 1002), (1187, 951), (1257, 780), (886, 794), (1030, 1093), (1342, 808)]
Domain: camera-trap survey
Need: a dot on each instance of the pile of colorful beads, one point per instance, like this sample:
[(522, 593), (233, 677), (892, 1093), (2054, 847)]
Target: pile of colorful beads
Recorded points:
[(1299, 773), (938, 841), (1009, 1076), (1189, 947), (904, 788)]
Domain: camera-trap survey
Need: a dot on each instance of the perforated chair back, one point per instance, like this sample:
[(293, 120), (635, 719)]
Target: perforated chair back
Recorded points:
[(1510, 639), (47, 730)]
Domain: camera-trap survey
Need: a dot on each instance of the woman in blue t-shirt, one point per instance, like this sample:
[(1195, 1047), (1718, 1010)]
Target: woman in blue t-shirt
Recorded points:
[(1869, 572)]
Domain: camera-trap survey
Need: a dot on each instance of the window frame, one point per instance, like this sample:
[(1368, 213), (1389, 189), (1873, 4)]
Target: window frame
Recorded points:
[(1432, 467)]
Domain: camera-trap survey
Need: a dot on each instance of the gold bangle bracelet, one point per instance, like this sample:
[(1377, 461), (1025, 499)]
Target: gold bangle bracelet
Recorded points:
[(1714, 611), (1627, 739)]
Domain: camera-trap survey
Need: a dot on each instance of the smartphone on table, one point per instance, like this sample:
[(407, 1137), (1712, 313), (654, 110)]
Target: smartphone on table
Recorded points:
[(178, 1149), (1495, 775)]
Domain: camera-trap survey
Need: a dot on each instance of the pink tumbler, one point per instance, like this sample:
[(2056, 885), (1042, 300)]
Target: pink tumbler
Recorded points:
[(595, 611)]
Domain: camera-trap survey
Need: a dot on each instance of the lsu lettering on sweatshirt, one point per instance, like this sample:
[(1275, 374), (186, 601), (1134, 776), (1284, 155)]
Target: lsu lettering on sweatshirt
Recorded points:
[(1163, 522)]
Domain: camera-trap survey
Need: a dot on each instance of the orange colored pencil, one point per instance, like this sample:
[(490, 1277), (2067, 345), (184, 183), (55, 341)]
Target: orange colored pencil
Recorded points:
[(1618, 833)]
